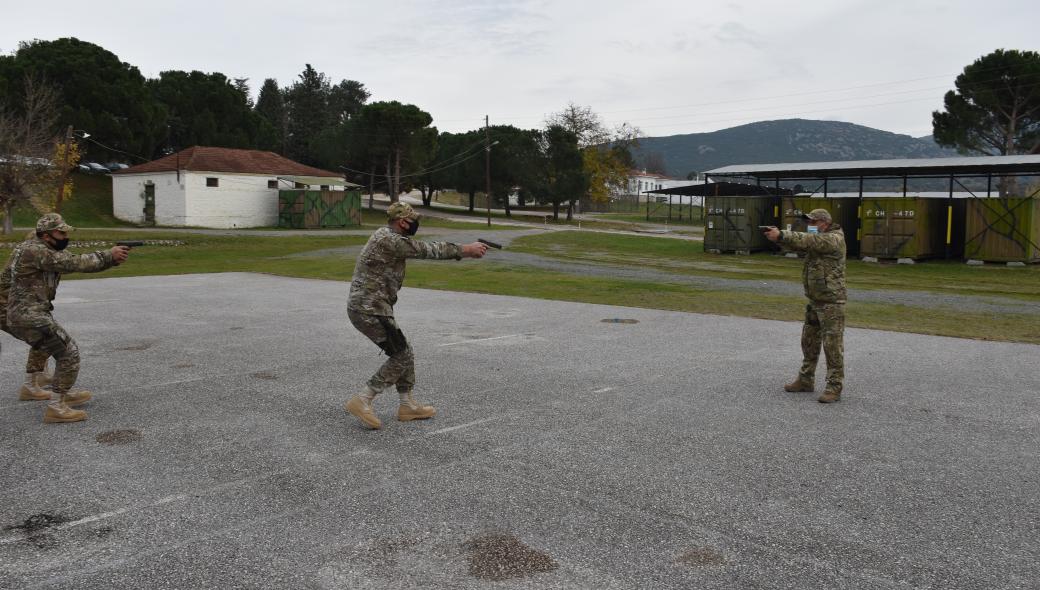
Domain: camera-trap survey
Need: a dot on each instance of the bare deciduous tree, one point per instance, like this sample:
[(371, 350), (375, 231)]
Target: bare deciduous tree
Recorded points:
[(27, 142)]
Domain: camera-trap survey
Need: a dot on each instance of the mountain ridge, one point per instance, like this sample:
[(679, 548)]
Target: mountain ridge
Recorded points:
[(781, 141)]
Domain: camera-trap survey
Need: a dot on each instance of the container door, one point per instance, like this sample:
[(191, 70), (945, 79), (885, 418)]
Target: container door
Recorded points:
[(149, 204)]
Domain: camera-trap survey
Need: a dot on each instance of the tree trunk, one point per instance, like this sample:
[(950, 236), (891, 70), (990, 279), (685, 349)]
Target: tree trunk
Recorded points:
[(372, 187), (505, 204), (390, 181), (556, 209), (8, 226), (570, 210), (472, 198), (521, 200), (397, 174)]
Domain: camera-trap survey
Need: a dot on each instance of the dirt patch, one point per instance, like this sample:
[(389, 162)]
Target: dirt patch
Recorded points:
[(118, 437), (701, 556), (619, 321), (265, 375), (500, 557), (36, 527)]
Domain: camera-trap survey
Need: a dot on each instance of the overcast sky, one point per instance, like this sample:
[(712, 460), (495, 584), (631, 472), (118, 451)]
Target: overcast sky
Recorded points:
[(666, 66)]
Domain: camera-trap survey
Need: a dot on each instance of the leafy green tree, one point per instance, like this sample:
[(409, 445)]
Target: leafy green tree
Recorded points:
[(995, 109), (98, 93), (208, 109), (515, 158), (271, 106), (563, 168), (400, 134), (307, 110)]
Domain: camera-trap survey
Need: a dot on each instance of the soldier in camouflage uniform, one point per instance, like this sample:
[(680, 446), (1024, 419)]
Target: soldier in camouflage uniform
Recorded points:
[(378, 276), (35, 270), (36, 377), (824, 279)]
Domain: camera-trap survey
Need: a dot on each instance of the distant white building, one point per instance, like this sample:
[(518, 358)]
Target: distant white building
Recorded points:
[(212, 187), (641, 181)]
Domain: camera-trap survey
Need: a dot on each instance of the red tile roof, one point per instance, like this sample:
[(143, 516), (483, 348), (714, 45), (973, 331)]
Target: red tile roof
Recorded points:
[(216, 159)]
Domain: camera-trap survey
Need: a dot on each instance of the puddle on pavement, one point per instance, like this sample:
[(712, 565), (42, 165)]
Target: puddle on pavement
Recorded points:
[(36, 527), (265, 375), (701, 556), (118, 437), (619, 321), (501, 557)]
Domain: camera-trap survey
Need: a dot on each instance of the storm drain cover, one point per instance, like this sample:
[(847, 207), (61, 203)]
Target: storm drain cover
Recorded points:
[(619, 321)]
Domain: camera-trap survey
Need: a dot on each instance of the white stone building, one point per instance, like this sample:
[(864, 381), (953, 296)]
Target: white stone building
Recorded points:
[(212, 187)]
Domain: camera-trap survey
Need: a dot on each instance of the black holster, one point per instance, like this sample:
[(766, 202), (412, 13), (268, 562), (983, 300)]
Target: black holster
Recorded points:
[(395, 341)]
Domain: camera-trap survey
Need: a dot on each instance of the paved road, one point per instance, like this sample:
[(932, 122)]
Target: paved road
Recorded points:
[(568, 452)]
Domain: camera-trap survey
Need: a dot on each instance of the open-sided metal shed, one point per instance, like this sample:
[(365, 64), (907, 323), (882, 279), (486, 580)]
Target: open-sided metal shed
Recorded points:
[(985, 223)]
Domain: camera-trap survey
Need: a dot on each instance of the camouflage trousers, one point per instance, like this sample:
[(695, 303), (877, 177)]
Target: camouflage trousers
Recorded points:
[(399, 369), (50, 339), (824, 326), (37, 362)]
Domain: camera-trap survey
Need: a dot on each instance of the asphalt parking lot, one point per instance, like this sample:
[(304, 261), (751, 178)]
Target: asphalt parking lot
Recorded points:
[(568, 452)]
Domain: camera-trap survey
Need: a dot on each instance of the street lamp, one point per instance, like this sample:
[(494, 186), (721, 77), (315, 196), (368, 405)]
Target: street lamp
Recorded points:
[(488, 177)]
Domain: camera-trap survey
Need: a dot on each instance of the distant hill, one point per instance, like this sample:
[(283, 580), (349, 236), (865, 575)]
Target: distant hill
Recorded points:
[(788, 140)]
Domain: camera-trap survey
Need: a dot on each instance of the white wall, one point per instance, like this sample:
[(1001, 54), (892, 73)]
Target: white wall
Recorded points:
[(128, 197), (239, 200)]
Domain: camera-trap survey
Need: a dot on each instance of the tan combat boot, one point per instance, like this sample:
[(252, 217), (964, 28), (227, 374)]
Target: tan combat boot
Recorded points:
[(362, 409), (829, 397), (31, 390), (77, 397), (59, 411), (410, 409), (799, 386)]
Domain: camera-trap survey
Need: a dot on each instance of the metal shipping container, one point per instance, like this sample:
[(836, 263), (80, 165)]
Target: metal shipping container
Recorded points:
[(911, 227), (731, 223), (1003, 230), (844, 211), (309, 209)]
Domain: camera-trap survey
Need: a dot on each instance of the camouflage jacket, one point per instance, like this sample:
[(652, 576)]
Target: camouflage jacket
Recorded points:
[(379, 271), (31, 277), (824, 273)]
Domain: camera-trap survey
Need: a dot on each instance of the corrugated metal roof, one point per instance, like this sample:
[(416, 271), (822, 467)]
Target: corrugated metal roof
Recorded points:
[(913, 167)]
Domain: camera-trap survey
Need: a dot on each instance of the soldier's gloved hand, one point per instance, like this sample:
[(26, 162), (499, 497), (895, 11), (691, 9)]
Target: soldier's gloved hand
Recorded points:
[(474, 250), (120, 254)]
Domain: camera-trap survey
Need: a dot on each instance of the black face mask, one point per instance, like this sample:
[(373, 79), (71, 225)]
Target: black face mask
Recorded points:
[(413, 226), (60, 244)]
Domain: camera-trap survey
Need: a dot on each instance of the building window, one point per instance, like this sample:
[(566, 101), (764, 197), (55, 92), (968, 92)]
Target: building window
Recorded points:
[(324, 187), (300, 185), (272, 184), (211, 181)]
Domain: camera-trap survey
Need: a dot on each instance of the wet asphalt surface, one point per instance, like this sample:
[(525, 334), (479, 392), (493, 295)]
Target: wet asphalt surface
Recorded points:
[(568, 452)]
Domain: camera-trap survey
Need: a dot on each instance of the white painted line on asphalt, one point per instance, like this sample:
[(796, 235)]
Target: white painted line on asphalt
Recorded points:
[(159, 502), (604, 390), (466, 425), (483, 339)]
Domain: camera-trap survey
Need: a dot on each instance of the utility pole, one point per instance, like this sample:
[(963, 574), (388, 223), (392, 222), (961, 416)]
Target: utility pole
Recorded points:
[(64, 170), (487, 161)]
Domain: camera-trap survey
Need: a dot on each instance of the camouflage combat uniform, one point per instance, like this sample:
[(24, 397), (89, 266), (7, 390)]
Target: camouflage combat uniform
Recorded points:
[(34, 272), (37, 362), (378, 276), (824, 279)]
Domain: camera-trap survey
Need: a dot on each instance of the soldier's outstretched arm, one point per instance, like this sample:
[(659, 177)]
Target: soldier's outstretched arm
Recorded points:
[(65, 262), (806, 242), (410, 248)]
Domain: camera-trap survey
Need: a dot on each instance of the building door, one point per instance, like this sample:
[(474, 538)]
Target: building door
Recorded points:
[(149, 204)]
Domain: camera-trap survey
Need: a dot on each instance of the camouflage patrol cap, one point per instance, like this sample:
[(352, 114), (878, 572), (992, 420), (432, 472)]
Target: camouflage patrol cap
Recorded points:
[(400, 211), (818, 215), (52, 221)]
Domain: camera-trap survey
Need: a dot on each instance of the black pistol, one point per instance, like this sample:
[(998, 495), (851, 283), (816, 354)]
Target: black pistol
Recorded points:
[(490, 244), (130, 244)]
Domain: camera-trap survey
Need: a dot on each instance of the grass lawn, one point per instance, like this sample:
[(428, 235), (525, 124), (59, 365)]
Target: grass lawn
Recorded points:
[(275, 255), (689, 258)]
